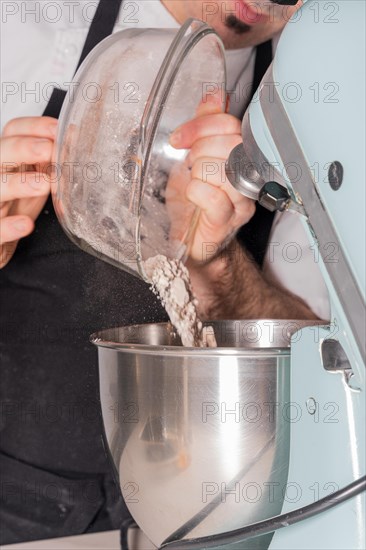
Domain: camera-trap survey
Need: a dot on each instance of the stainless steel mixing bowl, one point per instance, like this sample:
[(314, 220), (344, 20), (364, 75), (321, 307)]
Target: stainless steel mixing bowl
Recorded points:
[(199, 437)]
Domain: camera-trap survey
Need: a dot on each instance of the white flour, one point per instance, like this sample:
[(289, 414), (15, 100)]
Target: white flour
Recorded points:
[(171, 282)]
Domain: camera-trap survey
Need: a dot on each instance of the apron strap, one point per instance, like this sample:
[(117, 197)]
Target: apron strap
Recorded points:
[(263, 59), (255, 234), (102, 26)]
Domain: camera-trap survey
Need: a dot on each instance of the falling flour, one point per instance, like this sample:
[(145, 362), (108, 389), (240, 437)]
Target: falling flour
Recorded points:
[(171, 282)]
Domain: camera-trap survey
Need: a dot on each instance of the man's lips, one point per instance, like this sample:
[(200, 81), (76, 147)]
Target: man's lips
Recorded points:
[(250, 12)]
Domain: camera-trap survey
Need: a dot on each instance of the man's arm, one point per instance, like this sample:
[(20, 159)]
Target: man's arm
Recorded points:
[(231, 286)]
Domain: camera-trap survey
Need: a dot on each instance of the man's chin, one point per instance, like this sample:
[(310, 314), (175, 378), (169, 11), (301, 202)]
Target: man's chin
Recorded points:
[(240, 35), (234, 24)]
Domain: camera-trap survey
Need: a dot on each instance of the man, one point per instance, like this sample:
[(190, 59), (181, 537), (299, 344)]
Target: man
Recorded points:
[(54, 295)]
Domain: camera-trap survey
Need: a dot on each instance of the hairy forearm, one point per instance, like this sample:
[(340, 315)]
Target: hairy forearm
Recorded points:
[(231, 286)]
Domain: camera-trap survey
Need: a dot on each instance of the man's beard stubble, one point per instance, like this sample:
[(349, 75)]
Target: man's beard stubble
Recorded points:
[(234, 24)]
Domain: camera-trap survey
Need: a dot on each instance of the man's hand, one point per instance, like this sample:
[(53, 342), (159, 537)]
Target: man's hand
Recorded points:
[(26, 147), (230, 285), (201, 181)]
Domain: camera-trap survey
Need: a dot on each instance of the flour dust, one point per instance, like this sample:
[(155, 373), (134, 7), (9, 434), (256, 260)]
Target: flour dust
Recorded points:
[(171, 282)]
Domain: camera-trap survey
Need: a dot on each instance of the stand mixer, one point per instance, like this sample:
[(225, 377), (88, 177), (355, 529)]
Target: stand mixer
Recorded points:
[(278, 134), (320, 452)]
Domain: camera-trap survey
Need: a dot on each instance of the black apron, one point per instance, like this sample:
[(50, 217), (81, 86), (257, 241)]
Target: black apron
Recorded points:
[(56, 477), (255, 234)]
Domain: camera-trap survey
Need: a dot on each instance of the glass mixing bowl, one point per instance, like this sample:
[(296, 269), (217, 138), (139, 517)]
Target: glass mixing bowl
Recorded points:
[(116, 194)]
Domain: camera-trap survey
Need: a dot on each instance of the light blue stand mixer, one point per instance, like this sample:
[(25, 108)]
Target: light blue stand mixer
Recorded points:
[(307, 119), (327, 449)]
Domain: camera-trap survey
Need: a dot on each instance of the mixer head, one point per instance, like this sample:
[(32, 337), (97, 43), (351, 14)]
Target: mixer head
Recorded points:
[(303, 140)]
